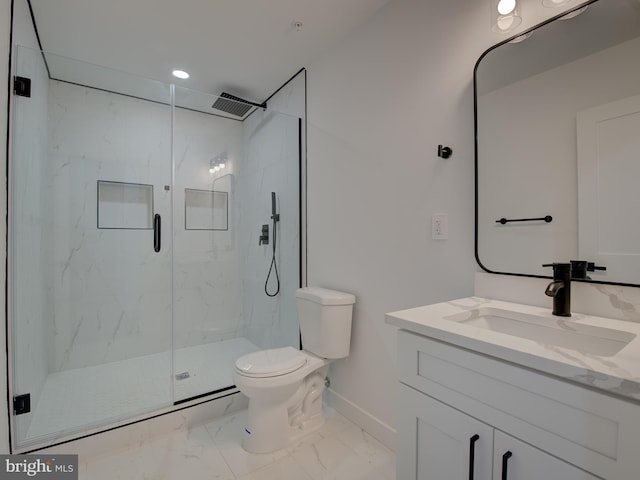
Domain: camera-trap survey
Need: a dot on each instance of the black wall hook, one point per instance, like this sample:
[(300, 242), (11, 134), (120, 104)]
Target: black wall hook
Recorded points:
[(444, 152)]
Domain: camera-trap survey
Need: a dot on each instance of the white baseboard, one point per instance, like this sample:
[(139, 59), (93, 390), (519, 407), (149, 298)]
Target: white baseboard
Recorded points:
[(370, 424)]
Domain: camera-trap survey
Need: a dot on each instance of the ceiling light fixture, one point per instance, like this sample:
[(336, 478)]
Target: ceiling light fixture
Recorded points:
[(218, 163), (574, 14), (180, 74), (521, 38), (505, 7), (554, 3), (505, 15)]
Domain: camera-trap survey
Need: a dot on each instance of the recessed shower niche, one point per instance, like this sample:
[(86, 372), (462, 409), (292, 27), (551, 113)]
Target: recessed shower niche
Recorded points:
[(135, 274), (206, 210), (125, 205)]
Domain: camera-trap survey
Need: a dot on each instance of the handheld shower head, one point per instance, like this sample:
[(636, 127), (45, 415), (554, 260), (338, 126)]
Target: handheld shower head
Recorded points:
[(274, 215)]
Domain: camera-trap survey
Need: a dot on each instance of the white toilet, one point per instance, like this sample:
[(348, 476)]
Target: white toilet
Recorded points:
[(285, 385)]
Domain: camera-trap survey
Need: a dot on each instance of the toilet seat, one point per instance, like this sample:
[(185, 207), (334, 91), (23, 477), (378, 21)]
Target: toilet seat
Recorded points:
[(271, 363)]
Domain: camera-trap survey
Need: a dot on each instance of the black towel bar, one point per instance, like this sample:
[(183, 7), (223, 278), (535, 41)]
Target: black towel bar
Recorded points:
[(503, 220)]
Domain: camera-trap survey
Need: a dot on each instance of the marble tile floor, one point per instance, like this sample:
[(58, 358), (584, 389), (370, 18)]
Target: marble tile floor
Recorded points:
[(339, 450)]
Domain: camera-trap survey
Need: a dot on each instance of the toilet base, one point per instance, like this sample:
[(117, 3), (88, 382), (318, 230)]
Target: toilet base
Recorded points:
[(264, 431), (262, 440), (274, 426), (297, 433)]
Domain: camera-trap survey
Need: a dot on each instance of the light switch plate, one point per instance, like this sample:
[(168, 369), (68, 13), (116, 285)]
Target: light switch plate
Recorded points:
[(439, 226)]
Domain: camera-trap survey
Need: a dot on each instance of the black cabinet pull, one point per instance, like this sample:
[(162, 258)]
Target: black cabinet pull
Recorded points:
[(505, 461), (472, 453), (157, 234)]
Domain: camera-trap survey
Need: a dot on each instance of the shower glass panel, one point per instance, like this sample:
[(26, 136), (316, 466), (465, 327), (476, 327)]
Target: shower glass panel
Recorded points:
[(225, 170), (90, 298), (136, 273)]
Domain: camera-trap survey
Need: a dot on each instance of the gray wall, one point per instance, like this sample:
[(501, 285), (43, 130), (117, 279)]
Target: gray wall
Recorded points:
[(379, 105)]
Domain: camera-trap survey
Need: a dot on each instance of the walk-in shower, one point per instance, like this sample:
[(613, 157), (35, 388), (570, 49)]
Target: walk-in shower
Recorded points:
[(135, 274)]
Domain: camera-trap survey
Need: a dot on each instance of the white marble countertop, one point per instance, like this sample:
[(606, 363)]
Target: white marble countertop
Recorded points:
[(615, 372)]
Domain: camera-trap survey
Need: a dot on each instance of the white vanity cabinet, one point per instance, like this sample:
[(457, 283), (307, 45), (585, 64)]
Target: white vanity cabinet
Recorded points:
[(461, 411), (438, 442), (452, 445), (515, 460)]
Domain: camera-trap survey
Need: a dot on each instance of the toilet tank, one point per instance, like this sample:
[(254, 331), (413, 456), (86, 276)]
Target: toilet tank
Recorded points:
[(325, 321)]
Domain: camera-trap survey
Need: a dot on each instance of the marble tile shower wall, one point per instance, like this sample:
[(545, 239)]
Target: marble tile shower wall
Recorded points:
[(32, 302), (271, 164), (112, 291), (207, 298)]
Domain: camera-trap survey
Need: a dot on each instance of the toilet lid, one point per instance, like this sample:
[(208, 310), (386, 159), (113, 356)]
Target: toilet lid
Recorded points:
[(271, 363)]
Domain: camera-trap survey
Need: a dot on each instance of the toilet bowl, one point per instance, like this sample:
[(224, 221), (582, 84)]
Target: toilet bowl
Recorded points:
[(285, 385), (284, 403)]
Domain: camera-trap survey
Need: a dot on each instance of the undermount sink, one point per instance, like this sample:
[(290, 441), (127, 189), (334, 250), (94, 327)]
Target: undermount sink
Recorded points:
[(558, 332)]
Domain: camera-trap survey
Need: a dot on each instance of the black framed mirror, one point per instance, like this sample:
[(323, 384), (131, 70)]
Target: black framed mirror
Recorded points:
[(557, 126)]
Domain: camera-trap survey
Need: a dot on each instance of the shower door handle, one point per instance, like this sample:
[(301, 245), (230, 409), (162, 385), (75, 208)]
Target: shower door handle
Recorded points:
[(157, 234)]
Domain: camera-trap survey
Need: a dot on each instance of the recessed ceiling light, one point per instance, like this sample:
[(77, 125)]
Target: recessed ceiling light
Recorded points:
[(180, 74)]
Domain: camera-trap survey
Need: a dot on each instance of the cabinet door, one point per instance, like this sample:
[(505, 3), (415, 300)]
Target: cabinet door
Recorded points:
[(437, 442), (528, 463)]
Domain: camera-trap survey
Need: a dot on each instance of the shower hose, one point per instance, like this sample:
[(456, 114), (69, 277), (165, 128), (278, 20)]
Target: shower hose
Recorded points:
[(274, 266)]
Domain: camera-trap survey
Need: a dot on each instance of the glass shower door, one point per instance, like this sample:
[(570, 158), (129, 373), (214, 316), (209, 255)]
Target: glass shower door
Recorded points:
[(228, 167), (208, 326), (90, 249)]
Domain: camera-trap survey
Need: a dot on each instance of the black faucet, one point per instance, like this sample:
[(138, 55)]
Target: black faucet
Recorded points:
[(560, 289)]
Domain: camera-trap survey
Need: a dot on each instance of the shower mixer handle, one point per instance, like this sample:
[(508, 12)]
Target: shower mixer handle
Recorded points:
[(264, 235)]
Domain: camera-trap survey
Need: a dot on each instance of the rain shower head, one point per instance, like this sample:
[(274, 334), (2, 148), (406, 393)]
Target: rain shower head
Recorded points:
[(235, 105)]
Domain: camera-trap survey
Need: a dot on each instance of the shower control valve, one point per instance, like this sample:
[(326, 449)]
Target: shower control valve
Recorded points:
[(264, 235)]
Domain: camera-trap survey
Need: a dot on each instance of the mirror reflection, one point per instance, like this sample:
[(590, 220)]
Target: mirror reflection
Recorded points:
[(557, 146)]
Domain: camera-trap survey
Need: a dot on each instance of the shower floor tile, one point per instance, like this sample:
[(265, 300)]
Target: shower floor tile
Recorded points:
[(210, 366), (85, 398)]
